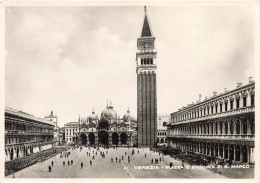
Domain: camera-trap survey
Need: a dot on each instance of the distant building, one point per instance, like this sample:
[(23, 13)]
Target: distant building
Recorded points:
[(54, 120), (222, 126), (26, 134), (70, 130), (162, 121)]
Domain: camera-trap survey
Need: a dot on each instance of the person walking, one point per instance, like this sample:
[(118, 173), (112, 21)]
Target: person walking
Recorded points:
[(90, 162), (81, 165), (68, 162), (111, 160), (49, 168), (145, 155), (63, 163), (116, 159), (152, 160), (71, 162), (52, 163)]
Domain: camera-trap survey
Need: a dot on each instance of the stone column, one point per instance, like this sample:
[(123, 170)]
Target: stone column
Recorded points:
[(248, 154), (96, 139), (248, 127), (223, 128), (218, 150), (119, 140), (110, 139), (228, 122)]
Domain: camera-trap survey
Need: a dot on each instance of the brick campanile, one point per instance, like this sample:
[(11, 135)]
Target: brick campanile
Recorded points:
[(146, 87)]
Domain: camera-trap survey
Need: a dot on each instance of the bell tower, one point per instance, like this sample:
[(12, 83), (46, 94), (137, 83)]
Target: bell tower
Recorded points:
[(146, 86)]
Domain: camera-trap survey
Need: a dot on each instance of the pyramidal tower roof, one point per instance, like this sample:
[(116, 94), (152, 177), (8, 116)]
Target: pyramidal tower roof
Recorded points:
[(146, 31)]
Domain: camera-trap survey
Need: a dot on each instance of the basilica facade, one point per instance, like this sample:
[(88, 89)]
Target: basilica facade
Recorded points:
[(108, 129)]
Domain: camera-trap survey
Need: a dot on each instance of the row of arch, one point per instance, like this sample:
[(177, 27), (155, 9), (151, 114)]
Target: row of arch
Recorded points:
[(234, 152), (103, 138), (161, 140), (232, 127), (146, 61), (161, 133)]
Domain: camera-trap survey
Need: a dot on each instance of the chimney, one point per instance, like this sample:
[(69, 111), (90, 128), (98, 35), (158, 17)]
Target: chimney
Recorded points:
[(250, 79), (199, 97), (239, 85), (225, 89)]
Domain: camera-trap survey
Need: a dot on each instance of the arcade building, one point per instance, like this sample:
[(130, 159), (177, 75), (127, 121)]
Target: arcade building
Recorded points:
[(222, 126), (26, 134), (108, 130)]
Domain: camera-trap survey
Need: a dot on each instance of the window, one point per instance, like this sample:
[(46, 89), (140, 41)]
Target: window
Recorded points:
[(252, 100), (216, 107), (226, 106), (204, 111), (151, 61), (237, 101), (208, 110), (212, 110), (244, 101), (142, 62)]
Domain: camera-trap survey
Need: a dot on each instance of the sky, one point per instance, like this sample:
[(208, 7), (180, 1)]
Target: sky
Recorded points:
[(73, 59)]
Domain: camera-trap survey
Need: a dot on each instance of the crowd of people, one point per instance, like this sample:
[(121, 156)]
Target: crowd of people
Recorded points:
[(25, 161)]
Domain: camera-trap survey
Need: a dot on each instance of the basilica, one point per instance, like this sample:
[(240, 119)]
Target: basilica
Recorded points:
[(108, 129)]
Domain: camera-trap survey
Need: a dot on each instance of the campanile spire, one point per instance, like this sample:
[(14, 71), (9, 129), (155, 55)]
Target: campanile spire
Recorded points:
[(146, 31)]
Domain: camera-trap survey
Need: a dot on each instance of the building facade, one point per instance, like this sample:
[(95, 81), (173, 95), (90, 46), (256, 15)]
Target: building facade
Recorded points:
[(222, 126), (162, 121), (26, 134), (109, 129), (146, 87)]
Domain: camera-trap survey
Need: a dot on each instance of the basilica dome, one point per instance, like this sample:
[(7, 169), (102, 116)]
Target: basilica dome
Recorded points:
[(128, 116), (93, 116), (109, 113)]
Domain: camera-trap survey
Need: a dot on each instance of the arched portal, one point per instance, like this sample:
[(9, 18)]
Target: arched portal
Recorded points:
[(162, 140), (103, 124), (91, 138), (231, 154), (226, 151), (83, 139), (17, 152), (103, 138), (115, 138), (237, 149), (221, 150), (123, 137), (244, 155), (12, 154)]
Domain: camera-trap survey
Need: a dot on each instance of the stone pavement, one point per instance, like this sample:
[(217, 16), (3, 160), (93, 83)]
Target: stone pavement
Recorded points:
[(139, 166)]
